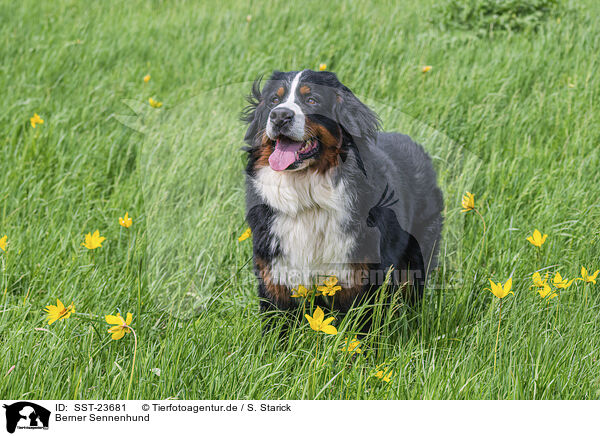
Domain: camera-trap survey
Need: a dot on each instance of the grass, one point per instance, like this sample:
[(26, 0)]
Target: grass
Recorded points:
[(513, 118)]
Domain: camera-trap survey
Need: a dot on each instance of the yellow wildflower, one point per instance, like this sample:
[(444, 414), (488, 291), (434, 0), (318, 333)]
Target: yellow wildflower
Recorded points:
[(3, 241), (125, 221), (154, 103), (35, 120), (537, 239), (501, 291), (59, 312), (546, 291), (468, 202), (93, 241), (352, 346), (146, 78), (426, 69), (537, 279), (329, 287), (561, 283), (543, 288), (584, 275), (121, 326), (322, 67), (318, 324), (301, 292), (247, 233), (384, 374)]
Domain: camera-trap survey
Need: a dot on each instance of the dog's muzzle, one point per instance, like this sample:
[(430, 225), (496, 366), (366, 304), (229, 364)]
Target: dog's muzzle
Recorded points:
[(281, 118)]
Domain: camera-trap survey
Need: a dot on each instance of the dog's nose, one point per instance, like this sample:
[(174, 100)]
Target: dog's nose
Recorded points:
[(280, 116)]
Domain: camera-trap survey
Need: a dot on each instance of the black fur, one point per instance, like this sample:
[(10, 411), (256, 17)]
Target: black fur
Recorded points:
[(398, 249), (259, 219)]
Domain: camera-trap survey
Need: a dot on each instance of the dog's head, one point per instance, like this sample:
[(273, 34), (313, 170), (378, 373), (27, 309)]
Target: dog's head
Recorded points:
[(305, 119)]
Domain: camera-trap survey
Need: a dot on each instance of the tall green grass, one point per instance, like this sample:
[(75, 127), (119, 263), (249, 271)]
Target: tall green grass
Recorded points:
[(514, 119)]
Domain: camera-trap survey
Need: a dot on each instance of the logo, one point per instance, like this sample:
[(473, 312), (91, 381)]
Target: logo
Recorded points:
[(26, 415)]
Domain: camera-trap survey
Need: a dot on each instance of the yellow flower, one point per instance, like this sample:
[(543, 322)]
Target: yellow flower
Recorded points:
[(59, 312), (545, 291), (501, 291), (537, 279), (155, 104), (584, 273), (468, 202), (318, 324), (125, 221), (322, 67), (426, 69), (384, 374), (561, 283), (352, 346), (93, 241), (35, 120), (543, 288), (121, 327), (537, 239), (301, 292), (330, 287), (247, 233), (3, 241), (146, 78)]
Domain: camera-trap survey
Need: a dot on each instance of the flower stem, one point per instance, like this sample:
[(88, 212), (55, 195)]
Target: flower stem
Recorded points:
[(482, 220), (484, 235), (497, 336), (133, 365), (484, 232), (128, 248), (538, 256)]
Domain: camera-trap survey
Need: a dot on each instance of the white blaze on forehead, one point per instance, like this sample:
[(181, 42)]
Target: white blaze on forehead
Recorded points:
[(296, 129), (292, 95)]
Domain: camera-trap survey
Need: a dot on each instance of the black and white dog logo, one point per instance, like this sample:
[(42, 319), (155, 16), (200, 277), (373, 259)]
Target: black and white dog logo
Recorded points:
[(26, 415)]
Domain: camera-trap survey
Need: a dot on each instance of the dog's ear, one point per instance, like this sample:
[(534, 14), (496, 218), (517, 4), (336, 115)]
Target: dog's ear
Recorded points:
[(252, 113), (354, 116)]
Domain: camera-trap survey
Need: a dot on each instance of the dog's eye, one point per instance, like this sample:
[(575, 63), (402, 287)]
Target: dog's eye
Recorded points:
[(275, 100), (311, 100)]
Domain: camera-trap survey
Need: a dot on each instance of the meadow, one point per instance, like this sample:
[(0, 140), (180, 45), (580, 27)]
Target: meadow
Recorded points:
[(509, 114)]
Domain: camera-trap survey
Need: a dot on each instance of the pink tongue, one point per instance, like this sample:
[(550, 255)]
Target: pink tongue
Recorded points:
[(284, 154)]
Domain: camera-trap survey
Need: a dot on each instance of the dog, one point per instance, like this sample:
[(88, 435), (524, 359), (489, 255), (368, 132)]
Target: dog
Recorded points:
[(330, 195)]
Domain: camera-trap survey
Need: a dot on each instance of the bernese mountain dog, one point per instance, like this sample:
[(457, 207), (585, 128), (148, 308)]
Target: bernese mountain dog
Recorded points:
[(328, 194)]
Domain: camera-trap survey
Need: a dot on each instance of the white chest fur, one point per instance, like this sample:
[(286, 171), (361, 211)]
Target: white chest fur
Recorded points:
[(311, 221)]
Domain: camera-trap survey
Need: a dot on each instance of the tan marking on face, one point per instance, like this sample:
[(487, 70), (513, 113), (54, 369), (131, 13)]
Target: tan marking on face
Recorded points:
[(330, 146), (266, 148), (280, 92), (304, 90)]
